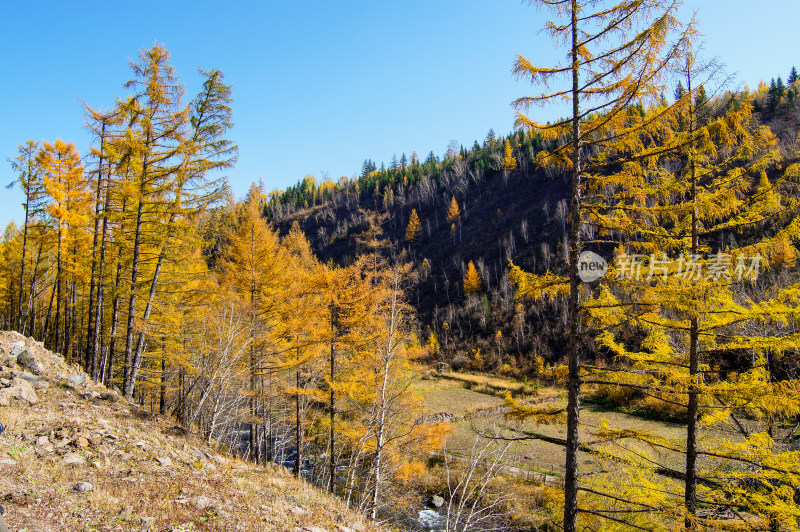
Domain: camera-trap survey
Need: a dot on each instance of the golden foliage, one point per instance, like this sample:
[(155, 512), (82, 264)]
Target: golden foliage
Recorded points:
[(414, 227), (472, 280), (453, 212), (545, 287), (509, 162)]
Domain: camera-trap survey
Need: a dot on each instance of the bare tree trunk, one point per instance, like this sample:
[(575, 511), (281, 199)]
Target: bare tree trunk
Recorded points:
[(253, 364), (574, 382), (690, 489), (383, 406), (141, 340), (128, 377), (20, 318), (91, 353), (97, 349), (108, 356), (46, 331), (162, 401), (298, 439), (70, 322), (332, 405), (58, 330), (30, 309)]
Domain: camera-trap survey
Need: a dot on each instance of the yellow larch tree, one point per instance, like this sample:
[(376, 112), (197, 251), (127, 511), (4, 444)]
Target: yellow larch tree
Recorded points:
[(617, 56), (105, 128), (472, 280), (414, 227), (300, 353), (194, 331), (70, 198), (253, 269), (509, 162), (711, 203), (454, 211), (7, 273), (30, 180), (152, 143), (344, 309)]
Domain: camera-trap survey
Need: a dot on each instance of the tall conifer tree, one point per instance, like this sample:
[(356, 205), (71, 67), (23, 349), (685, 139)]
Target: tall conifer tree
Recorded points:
[(618, 56)]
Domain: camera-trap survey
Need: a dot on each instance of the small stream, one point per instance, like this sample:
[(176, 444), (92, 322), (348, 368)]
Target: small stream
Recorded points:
[(432, 520), (427, 519)]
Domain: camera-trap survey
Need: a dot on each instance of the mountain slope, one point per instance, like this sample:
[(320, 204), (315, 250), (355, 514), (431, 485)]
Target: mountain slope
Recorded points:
[(76, 456), (517, 214)]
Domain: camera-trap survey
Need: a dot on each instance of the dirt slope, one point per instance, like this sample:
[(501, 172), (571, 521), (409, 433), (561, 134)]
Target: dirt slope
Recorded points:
[(75, 456)]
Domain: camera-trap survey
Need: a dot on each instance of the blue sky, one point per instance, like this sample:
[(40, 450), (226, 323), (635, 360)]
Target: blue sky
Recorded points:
[(319, 86)]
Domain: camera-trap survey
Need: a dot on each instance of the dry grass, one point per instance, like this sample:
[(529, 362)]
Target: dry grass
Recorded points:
[(473, 409), (631, 400), (488, 384), (128, 482)]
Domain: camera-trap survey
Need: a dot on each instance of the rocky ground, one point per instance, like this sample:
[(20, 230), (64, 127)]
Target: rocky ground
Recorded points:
[(75, 456)]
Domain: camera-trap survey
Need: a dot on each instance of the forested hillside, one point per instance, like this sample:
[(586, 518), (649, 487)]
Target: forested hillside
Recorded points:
[(486, 205), (471, 207)]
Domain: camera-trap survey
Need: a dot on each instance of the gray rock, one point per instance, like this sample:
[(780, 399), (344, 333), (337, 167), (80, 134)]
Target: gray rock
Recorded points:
[(26, 391), (29, 362), (164, 462), (19, 389), (8, 461), (342, 528), (38, 382), (42, 440), (437, 501), (358, 526), (77, 379), (314, 529), (17, 348), (147, 521), (83, 487), (73, 460)]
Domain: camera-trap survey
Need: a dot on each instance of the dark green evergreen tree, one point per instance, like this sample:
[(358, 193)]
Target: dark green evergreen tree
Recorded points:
[(793, 76), (368, 167), (680, 91), (702, 108), (774, 95)]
